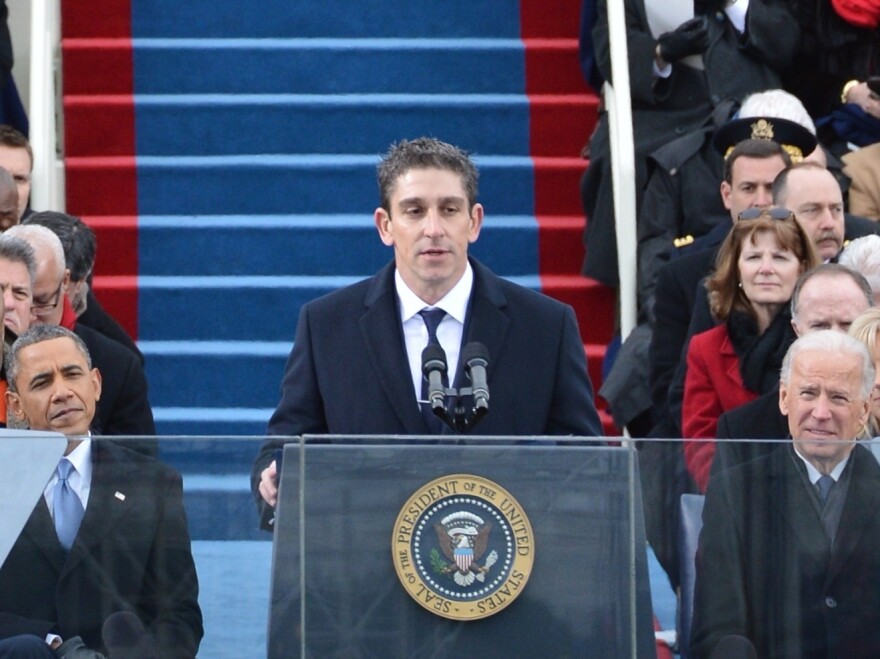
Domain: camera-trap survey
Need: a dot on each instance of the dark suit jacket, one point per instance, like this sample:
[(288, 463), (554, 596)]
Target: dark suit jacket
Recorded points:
[(99, 320), (123, 408), (348, 373), (132, 553), (767, 570)]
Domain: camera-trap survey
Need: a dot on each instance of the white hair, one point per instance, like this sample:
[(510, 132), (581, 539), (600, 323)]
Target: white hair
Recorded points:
[(832, 343), (863, 256), (39, 236), (779, 104)]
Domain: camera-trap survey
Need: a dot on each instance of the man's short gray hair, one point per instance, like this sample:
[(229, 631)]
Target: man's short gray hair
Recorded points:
[(35, 235), (38, 334), (17, 250), (863, 256), (831, 343)]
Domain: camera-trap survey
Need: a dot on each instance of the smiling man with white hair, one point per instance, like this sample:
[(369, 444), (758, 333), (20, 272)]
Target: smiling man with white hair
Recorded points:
[(787, 555)]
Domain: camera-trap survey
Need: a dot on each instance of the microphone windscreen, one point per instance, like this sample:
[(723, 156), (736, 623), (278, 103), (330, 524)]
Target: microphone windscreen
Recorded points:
[(735, 646), (433, 352), (124, 637), (474, 350)]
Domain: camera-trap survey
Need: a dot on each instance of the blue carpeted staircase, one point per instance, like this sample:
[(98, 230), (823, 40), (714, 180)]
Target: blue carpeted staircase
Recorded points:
[(225, 153)]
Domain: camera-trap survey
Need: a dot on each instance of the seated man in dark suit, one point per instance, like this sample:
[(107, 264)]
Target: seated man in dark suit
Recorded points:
[(355, 367), (788, 555), (110, 534), (80, 248), (124, 408)]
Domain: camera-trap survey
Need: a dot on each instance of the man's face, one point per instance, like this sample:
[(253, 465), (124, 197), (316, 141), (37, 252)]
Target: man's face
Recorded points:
[(828, 302), (50, 287), (430, 228), (824, 405), (56, 389), (17, 162), (751, 185), (78, 291), (814, 197), (8, 208), (17, 296)]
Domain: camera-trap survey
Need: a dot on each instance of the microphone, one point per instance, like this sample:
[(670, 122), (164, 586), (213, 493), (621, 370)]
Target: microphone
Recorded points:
[(476, 359), (734, 646), (124, 637), (434, 368)]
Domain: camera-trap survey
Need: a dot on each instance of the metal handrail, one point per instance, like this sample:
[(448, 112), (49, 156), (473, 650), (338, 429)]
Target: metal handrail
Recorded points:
[(47, 178)]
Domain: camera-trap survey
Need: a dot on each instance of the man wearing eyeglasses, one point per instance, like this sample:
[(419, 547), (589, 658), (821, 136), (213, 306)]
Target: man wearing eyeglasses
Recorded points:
[(123, 408)]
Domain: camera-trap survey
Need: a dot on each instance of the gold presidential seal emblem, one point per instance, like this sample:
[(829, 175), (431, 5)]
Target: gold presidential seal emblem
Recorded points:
[(463, 547)]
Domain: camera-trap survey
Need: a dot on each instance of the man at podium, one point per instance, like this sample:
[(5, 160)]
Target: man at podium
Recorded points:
[(356, 366), (106, 551)]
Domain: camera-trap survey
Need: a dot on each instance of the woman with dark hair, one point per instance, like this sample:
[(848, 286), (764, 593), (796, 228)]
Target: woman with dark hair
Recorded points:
[(749, 294)]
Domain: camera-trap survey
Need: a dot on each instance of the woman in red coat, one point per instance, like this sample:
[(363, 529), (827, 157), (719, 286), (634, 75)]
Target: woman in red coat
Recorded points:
[(749, 293)]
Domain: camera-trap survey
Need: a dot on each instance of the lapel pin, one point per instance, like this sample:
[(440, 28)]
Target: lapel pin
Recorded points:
[(120, 496)]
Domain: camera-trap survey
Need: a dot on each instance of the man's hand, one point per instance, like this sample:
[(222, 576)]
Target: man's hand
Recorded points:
[(689, 38), (269, 484), (866, 99), (74, 648)]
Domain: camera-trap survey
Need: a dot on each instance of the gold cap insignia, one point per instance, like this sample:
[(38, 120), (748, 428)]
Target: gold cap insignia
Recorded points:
[(762, 130)]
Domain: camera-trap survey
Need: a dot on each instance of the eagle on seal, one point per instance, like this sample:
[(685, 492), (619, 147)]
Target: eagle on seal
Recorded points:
[(463, 538)]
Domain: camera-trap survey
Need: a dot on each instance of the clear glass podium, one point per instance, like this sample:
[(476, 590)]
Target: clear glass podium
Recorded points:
[(404, 547)]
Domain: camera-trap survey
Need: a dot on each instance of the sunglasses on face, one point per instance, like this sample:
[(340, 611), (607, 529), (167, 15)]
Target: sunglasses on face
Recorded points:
[(777, 213)]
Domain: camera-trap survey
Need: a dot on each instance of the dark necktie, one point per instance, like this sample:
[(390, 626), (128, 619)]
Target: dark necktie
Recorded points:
[(66, 506), (823, 486), (432, 318)]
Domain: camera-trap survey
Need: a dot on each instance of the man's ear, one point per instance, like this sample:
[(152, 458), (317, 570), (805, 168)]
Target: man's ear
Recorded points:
[(783, 399), (726, 189), (383, 226), (13, 404), (65, 281), (95, 374)]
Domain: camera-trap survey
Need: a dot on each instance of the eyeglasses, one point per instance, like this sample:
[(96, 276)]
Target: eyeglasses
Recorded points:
[(45, 308), (775, 213)]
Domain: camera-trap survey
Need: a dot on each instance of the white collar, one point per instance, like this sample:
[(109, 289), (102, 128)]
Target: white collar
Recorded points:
[(454, 303), (814, 474)]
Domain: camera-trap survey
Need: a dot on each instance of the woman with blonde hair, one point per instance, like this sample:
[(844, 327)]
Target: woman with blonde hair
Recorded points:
[(749, 294), (866, 328)]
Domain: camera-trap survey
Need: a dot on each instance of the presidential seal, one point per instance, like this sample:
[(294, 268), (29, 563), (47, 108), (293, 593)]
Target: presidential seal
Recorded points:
[(463, 547)]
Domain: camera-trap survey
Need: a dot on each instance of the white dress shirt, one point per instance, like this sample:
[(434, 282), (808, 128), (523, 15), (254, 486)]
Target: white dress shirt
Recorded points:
[(449, 333)]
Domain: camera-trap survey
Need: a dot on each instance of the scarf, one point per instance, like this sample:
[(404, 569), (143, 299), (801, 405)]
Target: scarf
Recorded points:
[(760, 355)]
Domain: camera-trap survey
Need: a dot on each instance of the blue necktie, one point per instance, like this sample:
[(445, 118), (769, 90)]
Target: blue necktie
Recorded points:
[(67, 506), (432, 318), (824, 485)]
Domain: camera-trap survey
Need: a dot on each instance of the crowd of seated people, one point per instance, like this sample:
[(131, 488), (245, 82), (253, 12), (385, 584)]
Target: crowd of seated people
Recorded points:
[(699, 366)]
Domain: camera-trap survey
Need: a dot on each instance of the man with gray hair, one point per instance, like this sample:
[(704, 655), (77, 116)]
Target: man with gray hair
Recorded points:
[(863, 256), (80, 247), (788, 556), (123, 408)]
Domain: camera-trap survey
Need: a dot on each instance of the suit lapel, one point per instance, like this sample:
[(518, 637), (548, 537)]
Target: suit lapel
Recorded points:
[(486, 323), (859, 510), (113, 491), (383, 336), (797, 508), (41, 531)]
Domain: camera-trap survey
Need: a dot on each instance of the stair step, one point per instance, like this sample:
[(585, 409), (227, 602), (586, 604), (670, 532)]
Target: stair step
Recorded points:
[(210, 124), (322, 66), (278, 184), (560, 243), (331, 18)]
